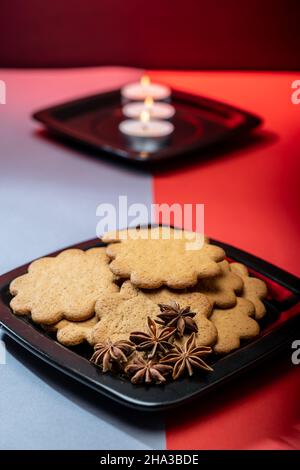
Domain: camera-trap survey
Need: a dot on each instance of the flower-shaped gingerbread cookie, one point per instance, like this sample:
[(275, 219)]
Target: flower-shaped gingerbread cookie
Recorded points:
[(254, 289), (162, 258), (222, 289), (126, 311), (66, 286), (233, 325)]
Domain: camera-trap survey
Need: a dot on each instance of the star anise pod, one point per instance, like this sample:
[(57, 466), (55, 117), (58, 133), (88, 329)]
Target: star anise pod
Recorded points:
[(147, 371), (108, 353), (180, 318), (156, 340), (187, 357)]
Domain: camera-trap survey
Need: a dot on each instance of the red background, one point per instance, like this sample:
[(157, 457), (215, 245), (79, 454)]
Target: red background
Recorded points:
[(190, 34)]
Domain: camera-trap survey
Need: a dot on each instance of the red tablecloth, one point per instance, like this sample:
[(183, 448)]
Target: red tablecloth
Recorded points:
[(251, 197)]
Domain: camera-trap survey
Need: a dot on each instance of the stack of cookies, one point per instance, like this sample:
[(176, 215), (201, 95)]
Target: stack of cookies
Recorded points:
[(149, 302)]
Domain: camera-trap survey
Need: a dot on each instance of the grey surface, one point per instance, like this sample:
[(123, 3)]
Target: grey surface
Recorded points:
[(48, 199)]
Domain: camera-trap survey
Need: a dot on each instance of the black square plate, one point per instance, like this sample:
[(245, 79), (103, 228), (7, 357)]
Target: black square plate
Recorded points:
[(93, 121), (276, 334)]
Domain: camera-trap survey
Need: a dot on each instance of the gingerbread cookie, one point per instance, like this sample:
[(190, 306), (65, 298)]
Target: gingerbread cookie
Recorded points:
[(164, 259), (233, 325), (254, 289), (222, 289), (71, 333), (122, 312), (66, 286), (128, 310)]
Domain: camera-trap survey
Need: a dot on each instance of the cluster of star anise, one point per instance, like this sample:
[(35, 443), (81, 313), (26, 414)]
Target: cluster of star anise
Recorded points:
[(153, 355)]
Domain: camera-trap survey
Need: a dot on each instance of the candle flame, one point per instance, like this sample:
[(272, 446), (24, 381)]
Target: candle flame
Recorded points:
[(148, 102), (145, 116), (145, 80)]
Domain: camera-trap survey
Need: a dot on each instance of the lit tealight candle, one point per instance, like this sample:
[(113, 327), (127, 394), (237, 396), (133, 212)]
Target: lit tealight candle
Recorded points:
[(146, 128), (156, 110), (140, 90)]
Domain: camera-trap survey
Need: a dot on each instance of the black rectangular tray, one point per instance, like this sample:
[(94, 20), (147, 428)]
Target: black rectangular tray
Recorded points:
[(93, 121), (74, 362)]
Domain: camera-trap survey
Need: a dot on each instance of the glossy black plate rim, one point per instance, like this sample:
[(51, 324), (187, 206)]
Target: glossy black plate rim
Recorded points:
[(122, 390), (47, 117)]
